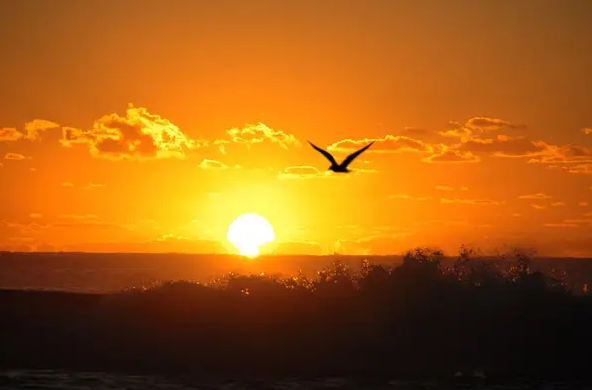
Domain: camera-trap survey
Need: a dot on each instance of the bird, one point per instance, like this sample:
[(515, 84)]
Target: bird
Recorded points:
[(340, 168)]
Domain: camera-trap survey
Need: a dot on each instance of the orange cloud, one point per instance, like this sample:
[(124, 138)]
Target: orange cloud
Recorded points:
[(558, 204), (255, 134), (538, 195), (567, 154), (444, 188), (84, 224), (138, 135), (582, 169), (67, 184), (537, 206), (35, 215), (476, 126), (14, 156), (506, 146), (211, 164), (77, 217), (388, 144), (583, 204), (491, 123), (10, 134), (482, 202), (452, 156), (37, 126), (587, 131), (302, 172), (93, 185), (410, 197), (562, 225)]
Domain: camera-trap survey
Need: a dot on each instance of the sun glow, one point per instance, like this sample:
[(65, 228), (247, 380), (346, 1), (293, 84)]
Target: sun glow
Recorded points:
[(248, 232)]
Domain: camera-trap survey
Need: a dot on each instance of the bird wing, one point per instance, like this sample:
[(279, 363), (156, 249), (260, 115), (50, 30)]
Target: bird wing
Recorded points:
[(324, 153), (352, 156)]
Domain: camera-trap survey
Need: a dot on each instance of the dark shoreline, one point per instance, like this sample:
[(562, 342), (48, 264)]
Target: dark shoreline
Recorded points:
[(414, 321)]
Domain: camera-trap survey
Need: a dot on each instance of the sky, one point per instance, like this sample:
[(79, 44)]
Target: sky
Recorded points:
[(149, 126)]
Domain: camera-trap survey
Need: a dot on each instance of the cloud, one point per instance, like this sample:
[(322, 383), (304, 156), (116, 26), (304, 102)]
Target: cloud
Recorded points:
[(506, 146), (35, 215), (452, 156), (211, 164), (567, 154), (93, 185), (482, 202), (476, 127), (67, 184), (78, 217), (583, 204), (387, 144), (90, 225), (302, 172), (444, 188), (587, 130), (582, 169), (562, 225), (408, 197), (14, 156), (538, 195), (256, 134), (491, 123), (10, 134), (37, 126), (579, 221), (558, 204), (537, 206), (138, 135)]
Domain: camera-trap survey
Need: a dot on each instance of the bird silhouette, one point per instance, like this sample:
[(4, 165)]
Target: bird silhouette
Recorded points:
[(340, 168)]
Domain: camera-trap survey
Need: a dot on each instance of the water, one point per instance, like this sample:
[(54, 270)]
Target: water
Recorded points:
[(83, 272), (50, 379)]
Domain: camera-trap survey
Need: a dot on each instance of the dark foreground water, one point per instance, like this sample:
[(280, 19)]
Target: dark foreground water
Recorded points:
[(49, 379)]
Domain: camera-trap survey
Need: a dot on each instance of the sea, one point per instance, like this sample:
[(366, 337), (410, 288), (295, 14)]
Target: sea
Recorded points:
[(105, 273)]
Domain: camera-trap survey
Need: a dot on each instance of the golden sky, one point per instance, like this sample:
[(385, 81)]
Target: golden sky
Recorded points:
[(151, 125)]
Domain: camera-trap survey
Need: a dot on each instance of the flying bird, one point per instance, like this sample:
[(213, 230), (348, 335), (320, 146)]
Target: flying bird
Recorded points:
[(340, 168)]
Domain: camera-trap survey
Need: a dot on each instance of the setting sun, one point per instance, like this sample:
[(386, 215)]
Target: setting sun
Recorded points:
[(248, 232)]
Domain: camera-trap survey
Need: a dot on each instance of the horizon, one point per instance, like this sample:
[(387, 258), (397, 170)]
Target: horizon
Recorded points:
[(134, 128), (445, 255)]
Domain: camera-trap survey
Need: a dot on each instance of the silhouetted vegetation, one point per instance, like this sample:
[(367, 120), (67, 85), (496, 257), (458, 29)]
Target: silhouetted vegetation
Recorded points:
[(418, 318)]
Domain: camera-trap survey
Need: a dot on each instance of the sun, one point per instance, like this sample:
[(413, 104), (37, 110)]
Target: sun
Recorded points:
[(248, 232)]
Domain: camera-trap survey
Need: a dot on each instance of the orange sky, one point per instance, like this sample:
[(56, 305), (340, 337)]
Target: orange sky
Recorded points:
[(151, 125)]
